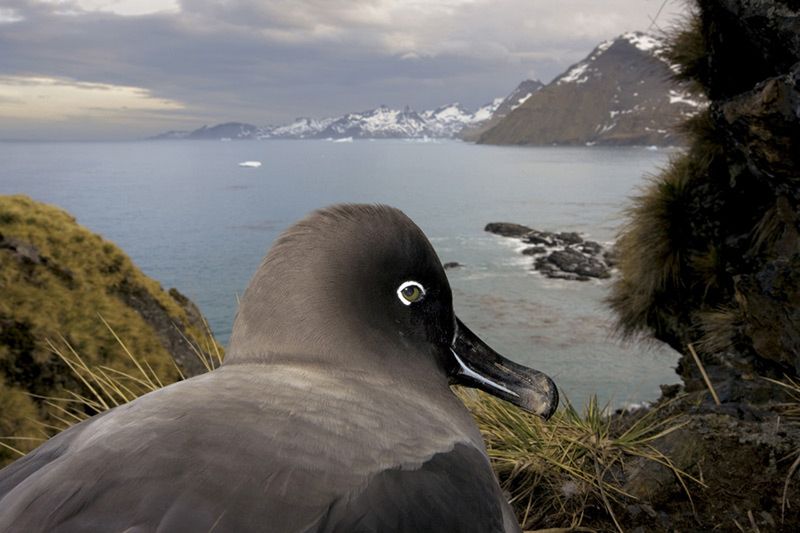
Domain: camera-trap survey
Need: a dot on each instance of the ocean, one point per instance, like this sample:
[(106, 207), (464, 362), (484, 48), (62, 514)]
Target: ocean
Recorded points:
[(192, 218)]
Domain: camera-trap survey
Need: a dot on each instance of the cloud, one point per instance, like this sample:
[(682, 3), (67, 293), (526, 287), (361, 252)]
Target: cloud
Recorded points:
[(117, 7), (267, 61), (52, 99), (9, 15)]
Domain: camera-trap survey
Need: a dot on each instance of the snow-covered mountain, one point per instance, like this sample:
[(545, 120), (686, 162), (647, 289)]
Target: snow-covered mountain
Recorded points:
[(384, 122), (500, 108), (227, 131), (518, 96), (621, 93), (301, 128), (380, 123)]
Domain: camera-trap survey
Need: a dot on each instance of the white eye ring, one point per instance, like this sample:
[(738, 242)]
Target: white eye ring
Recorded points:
[(404, 286)]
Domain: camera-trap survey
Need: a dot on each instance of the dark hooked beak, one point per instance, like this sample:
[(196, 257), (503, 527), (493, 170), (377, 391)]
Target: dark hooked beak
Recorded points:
[(478, 366)]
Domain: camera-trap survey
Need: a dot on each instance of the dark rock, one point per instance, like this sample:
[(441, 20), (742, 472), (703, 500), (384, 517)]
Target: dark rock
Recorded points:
[(534, 250), (193, 313), (539, 237), (22, 251), (452, 264), (763, 130), (571, 260), (737, 457), (669, 392), (611, 257), (570, 237), (151, 310), (591, 248), (771, 311), (548, 238), (507, 229), (738, 219), (579, 260), (762, 34), (566, 260), (551, 270)]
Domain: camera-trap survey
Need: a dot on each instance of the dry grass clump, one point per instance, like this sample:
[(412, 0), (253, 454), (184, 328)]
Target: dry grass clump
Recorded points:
[(556, 471), (109, 387), (104, 386), (720, 329)]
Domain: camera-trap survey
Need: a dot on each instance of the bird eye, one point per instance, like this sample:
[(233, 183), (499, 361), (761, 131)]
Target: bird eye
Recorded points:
[(410, 292)]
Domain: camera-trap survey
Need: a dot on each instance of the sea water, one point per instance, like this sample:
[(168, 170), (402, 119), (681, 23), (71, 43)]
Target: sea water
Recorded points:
[(192, 218)]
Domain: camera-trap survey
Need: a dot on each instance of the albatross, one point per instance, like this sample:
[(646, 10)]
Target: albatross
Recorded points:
[(332, 412)]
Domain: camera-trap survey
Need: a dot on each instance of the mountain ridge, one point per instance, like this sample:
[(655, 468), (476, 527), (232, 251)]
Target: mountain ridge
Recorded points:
[(622, 93), (381, 122)]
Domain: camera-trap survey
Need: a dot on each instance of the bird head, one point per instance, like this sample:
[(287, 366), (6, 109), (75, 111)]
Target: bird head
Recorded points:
[(361, 286)]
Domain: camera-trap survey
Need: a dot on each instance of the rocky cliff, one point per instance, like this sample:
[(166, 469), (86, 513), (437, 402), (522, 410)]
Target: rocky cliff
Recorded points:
[(711, 256), (710, 263)]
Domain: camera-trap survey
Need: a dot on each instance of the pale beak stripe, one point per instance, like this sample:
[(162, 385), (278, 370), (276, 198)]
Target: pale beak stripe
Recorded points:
[(467, 371)]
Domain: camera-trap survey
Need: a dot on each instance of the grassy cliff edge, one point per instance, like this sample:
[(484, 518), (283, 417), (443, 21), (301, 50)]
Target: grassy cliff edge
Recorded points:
[(59, 282)]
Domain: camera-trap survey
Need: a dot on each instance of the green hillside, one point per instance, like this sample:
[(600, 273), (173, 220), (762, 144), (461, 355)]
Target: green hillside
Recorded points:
[(57, 279)]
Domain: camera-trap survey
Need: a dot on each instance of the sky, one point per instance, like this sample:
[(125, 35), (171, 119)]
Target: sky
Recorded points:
[(127, 69)]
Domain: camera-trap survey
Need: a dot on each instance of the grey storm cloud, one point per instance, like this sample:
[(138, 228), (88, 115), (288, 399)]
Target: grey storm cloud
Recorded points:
[(268, 61)]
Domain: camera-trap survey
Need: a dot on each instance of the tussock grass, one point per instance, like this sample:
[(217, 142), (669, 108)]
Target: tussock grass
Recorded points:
[(688, 50), (708, 269), (720, 329), (652, 249), (557, 470), (776, 222), (109, 387), (104, 386), (708, 144)]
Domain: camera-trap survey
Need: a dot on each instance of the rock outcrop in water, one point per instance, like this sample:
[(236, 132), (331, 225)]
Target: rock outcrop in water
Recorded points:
[(564, 255)]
